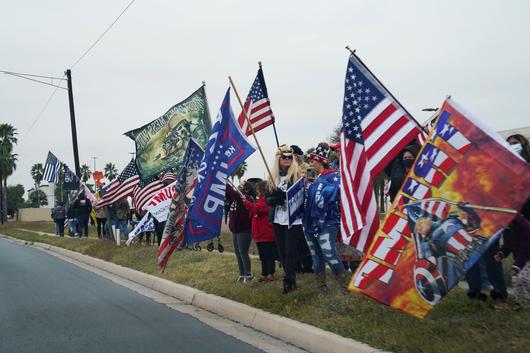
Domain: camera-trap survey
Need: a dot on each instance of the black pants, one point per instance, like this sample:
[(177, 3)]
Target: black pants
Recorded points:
[(287, 241), (83, 225), (304, 261), (101, 223), (267, 256)]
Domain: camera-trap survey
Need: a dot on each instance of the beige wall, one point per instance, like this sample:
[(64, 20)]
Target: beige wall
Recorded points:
[(34, 214)]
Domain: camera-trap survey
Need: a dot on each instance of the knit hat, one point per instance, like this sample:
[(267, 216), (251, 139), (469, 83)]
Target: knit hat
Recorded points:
[(320, 154)]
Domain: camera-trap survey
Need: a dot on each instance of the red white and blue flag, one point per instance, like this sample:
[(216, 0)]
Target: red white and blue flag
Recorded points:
[(227, 148), (257, 106), (122, 187), (375, 128)]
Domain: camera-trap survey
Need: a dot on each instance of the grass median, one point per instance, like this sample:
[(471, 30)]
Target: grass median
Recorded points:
[(455, 325)]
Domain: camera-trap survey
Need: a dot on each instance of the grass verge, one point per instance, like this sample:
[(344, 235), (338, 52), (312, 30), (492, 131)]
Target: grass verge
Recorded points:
[(455, 325)]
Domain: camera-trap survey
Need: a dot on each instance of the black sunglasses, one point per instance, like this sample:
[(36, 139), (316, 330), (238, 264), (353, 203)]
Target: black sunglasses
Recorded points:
[(286, 157)]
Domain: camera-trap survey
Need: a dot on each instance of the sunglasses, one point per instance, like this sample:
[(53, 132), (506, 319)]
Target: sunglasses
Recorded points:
[(286, 157)]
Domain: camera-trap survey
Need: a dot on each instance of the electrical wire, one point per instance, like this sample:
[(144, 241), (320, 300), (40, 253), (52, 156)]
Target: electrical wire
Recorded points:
[(102, 34), (40, 113), (71, 67)]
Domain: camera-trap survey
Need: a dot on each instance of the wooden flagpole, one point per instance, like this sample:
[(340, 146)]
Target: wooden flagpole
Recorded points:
[(391, 95), (250, 125)]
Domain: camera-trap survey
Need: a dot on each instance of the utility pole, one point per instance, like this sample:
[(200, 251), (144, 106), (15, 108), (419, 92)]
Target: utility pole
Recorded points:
[(94, 158), (72, 122)]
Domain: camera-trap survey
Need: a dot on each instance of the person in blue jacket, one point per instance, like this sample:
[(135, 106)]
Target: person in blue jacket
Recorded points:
[(321, 218)]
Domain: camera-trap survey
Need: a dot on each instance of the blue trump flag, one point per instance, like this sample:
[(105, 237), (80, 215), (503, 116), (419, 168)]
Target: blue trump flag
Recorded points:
[(226, 149)]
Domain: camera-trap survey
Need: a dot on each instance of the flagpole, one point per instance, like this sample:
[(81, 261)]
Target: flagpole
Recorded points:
[(386, 89), (274, 122), (250, 125)]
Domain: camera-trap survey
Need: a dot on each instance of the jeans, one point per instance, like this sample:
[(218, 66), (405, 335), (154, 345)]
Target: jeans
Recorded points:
[(83, 225), (322, 247), (241, 245), (267, 257), (59, 225), (123, 226), (287, 244), (72, 226), (494, 272)]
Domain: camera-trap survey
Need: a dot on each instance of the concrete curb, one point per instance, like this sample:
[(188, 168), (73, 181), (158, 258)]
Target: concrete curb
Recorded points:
[(299, 334)]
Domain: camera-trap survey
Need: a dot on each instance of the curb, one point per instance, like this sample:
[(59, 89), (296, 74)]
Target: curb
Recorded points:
[(296, 333)]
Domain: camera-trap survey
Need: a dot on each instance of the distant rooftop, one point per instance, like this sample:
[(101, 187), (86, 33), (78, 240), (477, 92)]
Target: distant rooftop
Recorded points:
[(525, 131)]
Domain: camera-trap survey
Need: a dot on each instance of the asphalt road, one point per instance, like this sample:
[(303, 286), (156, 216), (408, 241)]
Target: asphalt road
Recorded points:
[(48, 305)]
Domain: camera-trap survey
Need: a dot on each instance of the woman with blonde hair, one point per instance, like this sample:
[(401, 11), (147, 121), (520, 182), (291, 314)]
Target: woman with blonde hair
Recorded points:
[(285, 172)]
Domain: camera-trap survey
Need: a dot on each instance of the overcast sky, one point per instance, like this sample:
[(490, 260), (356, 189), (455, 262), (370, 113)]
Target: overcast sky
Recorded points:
[(160, 51)]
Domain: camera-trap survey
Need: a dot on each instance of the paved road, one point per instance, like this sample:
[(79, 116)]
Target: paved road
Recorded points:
[(48, 305)]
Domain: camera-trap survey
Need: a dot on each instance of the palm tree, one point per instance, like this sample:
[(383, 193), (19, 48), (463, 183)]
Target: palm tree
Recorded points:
[(37, 173), (85, 173), (111, 172), (240, 171), (8, 163)]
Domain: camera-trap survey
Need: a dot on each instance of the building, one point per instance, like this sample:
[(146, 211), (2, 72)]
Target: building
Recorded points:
[(49, 190)]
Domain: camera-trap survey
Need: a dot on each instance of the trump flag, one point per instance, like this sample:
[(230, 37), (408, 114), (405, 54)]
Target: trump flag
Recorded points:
[(226, 149)]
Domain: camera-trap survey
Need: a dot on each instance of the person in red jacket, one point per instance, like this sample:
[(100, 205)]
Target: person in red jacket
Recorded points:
[(262, 233)]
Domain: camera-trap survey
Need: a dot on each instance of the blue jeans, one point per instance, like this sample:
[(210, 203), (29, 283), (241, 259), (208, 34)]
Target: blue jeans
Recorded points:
[(123, 226), (322, 248), (72, 226)]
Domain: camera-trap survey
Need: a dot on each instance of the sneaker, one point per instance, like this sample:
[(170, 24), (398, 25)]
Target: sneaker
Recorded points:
[(271, 278), (248, 278), (239, 279)]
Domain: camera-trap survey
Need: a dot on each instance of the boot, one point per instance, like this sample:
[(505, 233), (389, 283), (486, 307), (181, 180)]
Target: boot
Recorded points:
[(321, 282), (342, 280), (288, 285)]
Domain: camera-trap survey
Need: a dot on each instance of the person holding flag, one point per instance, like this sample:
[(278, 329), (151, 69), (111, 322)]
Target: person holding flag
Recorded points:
[(285, 173), (321, 219)]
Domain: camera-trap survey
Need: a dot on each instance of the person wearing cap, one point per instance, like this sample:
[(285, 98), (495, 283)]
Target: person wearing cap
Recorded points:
[(321, 218), (285, 172)]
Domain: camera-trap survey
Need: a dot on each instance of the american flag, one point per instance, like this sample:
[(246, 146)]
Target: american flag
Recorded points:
[(257, 106), (168, 177), (375, 128), (122, 187), (143, 192), (51, 169)]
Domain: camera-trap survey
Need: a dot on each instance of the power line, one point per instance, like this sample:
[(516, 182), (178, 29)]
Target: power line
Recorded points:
[(40, 113), (34, 80), (75, 63), (102, 34), (32, 75)]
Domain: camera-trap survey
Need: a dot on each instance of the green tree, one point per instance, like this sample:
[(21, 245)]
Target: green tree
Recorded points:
[(15, 198), (37, 198), (111, 172), (240, 171), (85, 173), (8, 163), (37, 173)]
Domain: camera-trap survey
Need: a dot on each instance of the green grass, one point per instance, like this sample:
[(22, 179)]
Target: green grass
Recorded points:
[(455, 325)]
